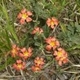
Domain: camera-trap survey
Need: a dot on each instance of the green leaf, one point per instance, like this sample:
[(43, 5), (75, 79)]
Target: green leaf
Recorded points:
[(4, 10), (77, 26), (9, 27), (63, 27), (10, 60), (12, 31)]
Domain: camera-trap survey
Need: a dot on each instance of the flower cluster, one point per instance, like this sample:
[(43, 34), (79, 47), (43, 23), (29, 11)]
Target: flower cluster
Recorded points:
[(52, 44), (38, 64), (22, 53), (59, 53)]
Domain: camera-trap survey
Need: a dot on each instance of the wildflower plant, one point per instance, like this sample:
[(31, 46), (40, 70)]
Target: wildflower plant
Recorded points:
[(35, 40)]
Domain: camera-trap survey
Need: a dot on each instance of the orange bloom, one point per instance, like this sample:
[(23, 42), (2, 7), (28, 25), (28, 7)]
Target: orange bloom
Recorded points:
[(37, 30), (52, 42), (14, 51), (25, 53), (38, 64), (62, 61), (61, 56), (39, 61), (52, 22), (36, 68), (19, 65), (24, 16)]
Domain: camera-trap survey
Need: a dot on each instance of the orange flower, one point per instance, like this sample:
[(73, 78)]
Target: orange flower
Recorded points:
[(52, 22), (61, 56), (52, 42), (36, 68), (39, 61), (62, 61), (37, 30), (38, 64), (24, 16), (19, 65), (25, 53), (14, 51)]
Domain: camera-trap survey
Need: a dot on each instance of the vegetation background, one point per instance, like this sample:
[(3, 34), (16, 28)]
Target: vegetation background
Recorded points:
[(68, 33)]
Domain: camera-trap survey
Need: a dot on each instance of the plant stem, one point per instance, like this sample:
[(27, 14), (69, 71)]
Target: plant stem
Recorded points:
[(22, 75)]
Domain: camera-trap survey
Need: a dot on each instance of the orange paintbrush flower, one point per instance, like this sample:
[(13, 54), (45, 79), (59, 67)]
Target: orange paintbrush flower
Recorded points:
[(39, 61), (15, 50), (19, 65), (24, 16), (52, 43), (25, 53), (37, 30), (61, 56), (52, 22)]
